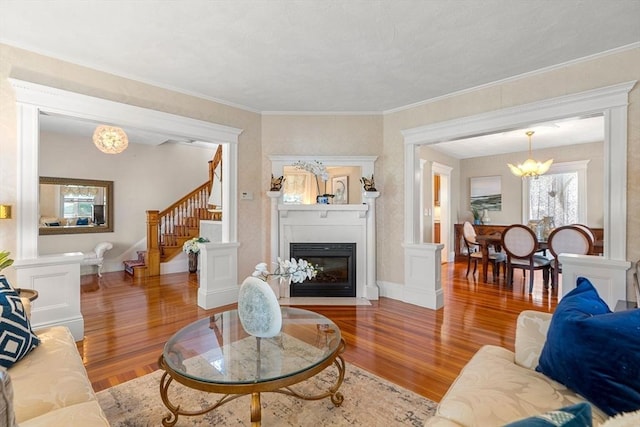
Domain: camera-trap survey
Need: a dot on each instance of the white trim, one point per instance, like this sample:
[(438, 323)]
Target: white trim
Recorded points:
[(33, 99), (579, 166), (612, 101)]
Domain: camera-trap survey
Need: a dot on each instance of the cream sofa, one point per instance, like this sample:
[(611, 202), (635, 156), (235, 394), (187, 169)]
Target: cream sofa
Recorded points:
[(499, 386), (51, 386)]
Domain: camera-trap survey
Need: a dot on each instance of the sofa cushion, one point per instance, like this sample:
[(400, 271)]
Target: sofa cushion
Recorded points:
[(52, 376), (492, 390), (86, 414), (16, 337), (7, 417), (578, 415), (593, 351)]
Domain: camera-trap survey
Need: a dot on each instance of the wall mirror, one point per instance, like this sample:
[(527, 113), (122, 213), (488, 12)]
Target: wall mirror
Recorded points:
[(71, 206)]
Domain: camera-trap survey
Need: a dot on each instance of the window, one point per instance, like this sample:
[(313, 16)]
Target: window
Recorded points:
[(78, 201), (561, 193)]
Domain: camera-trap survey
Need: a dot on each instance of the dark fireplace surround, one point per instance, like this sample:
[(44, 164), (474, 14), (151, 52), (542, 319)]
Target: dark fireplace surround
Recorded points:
[(336, 269)]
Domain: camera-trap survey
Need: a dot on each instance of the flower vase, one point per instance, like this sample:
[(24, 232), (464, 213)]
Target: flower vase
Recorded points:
[(193, 262), (285, 287)]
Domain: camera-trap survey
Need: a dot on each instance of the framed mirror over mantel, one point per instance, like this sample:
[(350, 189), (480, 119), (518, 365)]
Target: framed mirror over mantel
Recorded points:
[(72, 206), (343, 174)]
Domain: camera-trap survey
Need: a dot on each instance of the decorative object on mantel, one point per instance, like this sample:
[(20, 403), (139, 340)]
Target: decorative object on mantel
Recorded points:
[(530, 167), (191, 248), (319, 170), (287, 271), (368, 184), (276, 183), (476, 216), (110, 139)]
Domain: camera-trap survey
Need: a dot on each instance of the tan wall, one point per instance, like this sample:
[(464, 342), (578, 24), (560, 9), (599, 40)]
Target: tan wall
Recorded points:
[(599, 72), (144, 177), (36, 68), (322, 135), (512, 185)]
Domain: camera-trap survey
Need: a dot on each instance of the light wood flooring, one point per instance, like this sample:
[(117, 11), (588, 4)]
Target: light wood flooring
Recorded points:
[(128, 321)]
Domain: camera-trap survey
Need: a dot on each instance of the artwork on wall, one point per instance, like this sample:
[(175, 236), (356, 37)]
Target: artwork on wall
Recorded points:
[(486, 193), (340, 188)]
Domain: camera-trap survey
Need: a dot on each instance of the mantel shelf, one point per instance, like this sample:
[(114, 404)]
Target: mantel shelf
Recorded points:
[(321, 207)]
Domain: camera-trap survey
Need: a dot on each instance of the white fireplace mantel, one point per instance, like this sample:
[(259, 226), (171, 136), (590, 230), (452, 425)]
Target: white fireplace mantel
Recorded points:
[(329, 224)]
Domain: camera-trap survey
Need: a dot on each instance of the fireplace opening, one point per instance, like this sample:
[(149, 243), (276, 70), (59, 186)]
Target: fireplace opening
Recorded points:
[(336, 269)]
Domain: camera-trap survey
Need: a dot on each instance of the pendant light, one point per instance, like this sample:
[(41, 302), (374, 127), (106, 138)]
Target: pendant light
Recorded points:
[(110, 139), (530, 167)]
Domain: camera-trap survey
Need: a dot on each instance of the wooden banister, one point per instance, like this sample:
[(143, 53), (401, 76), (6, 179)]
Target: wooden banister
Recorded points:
[(167, 230)]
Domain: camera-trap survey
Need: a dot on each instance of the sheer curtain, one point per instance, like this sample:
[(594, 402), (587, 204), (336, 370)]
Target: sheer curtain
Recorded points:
[(555, 195)]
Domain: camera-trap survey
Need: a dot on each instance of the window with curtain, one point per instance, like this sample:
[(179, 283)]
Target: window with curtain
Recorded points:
[(560, 194)]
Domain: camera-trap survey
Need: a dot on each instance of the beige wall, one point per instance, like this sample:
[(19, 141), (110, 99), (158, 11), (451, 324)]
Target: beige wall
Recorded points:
[(36, 68), (512, 185), (320, 135), (599, 72), (144, 177)]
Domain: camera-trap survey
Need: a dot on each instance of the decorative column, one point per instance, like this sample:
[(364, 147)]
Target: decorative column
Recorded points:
[(371, 287), (275, 233)]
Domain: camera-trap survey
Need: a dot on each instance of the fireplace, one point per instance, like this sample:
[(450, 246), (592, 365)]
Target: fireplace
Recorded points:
[(336, 269)]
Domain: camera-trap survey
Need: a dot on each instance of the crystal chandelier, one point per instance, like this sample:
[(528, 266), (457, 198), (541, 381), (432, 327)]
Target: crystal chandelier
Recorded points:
[(530, 167), (110, 139)]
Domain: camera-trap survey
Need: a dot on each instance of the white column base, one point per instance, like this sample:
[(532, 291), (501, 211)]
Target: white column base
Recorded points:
[(218, 275), (608, 276), (422, 275)]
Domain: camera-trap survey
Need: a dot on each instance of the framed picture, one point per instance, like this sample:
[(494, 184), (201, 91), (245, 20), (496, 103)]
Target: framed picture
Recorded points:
[(340, 188), (486, 193)]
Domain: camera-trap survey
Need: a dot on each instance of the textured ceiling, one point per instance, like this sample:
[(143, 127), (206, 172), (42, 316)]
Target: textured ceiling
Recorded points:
[(319, 56)]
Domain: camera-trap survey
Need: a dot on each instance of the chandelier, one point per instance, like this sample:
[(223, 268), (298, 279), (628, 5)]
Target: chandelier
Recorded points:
[(110, 139), (530, 167)]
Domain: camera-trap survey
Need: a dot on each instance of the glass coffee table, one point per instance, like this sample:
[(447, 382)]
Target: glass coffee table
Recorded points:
[(216, 355)]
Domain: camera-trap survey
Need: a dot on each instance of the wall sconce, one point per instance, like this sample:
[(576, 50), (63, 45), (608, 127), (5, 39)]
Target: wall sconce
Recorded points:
[(5, 211)]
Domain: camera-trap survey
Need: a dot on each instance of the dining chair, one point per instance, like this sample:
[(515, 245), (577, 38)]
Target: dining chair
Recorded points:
[(569, 239), (587, 230), (474, 252), (520, 244)]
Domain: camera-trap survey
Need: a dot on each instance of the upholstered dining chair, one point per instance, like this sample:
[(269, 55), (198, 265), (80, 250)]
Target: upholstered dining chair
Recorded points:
[(520, 244), (569, 239), (473, 249)]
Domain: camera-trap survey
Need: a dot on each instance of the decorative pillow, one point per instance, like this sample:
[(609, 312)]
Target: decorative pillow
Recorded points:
[(16, 337), (52, 224), (594, 352), (578, 415), (82, 221)]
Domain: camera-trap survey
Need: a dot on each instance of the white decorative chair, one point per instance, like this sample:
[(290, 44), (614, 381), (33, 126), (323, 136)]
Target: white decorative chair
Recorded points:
[(473, 249), (570, 239), (521, 244), (96, 257)]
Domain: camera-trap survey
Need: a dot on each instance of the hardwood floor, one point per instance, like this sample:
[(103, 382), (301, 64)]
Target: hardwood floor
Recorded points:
[(127, 322)]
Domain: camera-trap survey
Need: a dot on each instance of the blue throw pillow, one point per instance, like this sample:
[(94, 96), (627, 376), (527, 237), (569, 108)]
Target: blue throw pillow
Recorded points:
[(82, 221), (16, 337), (594, 352), (578, 415)]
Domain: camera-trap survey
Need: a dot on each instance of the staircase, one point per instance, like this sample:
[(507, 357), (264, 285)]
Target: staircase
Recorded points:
[(167, 230)]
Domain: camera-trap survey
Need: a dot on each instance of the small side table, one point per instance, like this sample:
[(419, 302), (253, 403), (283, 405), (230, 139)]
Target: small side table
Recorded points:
[(30, 294)]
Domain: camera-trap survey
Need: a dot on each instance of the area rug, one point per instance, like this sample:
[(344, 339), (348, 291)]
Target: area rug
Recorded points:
[(323, 301), (368, 401)]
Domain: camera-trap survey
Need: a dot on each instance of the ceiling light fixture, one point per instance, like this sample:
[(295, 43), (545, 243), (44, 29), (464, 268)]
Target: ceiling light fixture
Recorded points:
[(530, 168), (110, 139)]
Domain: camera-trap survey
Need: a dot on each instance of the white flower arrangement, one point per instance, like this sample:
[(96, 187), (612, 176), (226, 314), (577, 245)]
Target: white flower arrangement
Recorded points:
[(315, 167), (296, 271), (191, 245)]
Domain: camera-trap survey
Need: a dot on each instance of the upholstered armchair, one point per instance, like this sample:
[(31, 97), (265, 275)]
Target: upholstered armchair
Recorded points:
[(96, 257)]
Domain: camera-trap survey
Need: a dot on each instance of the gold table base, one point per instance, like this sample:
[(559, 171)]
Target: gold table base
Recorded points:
[(234, 391)]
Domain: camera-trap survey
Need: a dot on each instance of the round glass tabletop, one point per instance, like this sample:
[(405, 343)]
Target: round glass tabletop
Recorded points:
[(218, 350)]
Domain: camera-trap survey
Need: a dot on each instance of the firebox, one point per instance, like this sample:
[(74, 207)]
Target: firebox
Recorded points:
[(336, 269)]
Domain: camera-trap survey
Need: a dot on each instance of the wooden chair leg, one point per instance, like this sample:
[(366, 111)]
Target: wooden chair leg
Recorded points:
[(531, 280), (468, 265)]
